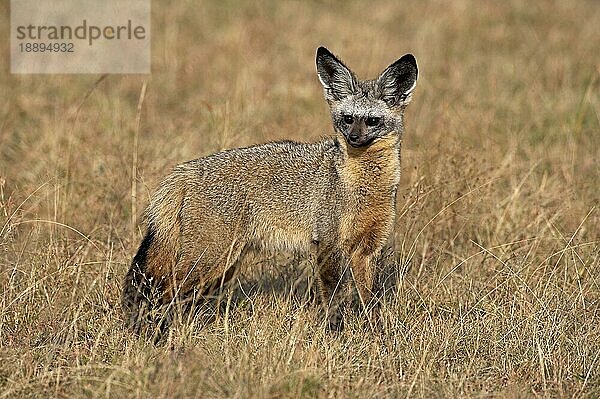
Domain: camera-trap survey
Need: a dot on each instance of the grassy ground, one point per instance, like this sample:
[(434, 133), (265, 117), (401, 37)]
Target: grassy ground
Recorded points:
[(498, 244)]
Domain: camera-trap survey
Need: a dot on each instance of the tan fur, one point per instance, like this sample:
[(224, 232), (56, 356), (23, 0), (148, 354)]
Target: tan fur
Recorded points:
[(335, 198), (373, 174)]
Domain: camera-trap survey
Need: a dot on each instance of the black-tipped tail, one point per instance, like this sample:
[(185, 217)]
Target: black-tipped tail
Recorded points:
[(141, 291)]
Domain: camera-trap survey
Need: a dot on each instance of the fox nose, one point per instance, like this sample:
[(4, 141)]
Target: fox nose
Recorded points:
[(353, 137)]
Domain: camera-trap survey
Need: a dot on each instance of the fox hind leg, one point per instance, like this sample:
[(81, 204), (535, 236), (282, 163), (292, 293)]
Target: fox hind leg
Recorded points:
[(201, 274)]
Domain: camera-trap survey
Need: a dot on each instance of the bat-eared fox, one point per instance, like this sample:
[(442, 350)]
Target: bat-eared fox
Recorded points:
[(333, 199)]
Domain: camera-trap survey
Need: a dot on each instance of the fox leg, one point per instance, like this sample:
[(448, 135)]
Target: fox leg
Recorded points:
[(231, 265), (200, 271), (361, 267), (331, 285), (205, 269)]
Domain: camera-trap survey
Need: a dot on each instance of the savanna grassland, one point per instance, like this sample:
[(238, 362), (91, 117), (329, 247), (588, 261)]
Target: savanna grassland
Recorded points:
[(495, 285)]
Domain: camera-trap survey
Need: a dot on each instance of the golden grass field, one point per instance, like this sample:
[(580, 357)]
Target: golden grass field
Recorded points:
[(498, 230)]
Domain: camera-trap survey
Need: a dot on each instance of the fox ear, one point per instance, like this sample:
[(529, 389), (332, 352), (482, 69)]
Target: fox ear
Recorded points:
[(337, 80), (396, 83)]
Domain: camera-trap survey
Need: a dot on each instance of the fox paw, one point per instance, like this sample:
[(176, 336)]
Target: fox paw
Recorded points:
[(335, 321)]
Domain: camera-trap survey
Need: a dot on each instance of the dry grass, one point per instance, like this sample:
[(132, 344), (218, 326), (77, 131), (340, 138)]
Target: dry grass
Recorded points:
[(498, 236)]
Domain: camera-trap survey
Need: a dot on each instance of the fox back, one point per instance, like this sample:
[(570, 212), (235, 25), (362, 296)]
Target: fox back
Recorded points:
[(335, 197)]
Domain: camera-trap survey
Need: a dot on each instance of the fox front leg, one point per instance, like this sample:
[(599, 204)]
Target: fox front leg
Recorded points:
[(361, 267), (331, 285)]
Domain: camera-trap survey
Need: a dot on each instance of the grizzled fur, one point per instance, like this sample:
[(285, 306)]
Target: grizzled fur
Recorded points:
[(334, 198)]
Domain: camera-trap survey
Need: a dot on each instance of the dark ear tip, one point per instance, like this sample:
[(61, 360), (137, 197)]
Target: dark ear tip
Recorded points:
[(321, 51), (409, 58)]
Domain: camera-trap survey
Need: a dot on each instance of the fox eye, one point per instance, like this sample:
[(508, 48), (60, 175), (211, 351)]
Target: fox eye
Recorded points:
[(373, 121), (348, 119)]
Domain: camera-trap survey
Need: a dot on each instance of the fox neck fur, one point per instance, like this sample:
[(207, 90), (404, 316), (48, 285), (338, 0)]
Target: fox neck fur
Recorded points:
[(372, 170), (370, 175)]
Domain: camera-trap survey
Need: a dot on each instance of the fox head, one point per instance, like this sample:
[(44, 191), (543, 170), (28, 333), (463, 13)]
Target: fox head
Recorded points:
[(364, 111)]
